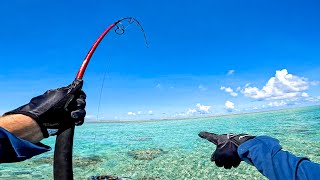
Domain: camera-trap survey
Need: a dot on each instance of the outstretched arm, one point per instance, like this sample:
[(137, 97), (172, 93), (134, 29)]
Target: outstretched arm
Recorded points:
[(266, 154), (22, 126)]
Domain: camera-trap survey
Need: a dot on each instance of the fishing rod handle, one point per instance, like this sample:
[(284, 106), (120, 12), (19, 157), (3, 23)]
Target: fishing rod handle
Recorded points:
[(62, 166)]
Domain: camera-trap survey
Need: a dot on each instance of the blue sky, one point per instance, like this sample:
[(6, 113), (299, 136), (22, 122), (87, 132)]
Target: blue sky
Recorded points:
[(205, 58)]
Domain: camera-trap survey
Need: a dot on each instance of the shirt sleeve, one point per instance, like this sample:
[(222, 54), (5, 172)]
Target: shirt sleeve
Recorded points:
[(266, 154), (14, 149)]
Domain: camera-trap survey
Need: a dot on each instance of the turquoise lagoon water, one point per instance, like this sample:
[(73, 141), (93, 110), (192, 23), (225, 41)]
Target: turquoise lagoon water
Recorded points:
[(172, 149)]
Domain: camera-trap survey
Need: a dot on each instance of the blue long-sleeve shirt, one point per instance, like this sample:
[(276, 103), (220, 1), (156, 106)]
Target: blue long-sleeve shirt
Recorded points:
[(14, 149), (266, 154)]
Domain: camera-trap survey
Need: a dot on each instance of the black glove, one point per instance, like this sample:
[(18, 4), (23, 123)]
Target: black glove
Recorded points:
[(56, 108), (226, 153)]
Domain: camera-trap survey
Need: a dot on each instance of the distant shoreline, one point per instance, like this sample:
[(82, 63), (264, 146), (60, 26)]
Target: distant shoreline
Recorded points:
[(191, 118)]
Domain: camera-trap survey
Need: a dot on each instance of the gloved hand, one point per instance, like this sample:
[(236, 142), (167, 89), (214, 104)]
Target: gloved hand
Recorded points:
[(226, 151), (56, 108)]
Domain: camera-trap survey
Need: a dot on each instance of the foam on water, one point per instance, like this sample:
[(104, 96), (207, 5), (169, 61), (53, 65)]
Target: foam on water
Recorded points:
[(172, 149)]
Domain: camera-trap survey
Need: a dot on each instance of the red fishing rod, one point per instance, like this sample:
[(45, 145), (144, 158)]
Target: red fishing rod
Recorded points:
[(62, 166)]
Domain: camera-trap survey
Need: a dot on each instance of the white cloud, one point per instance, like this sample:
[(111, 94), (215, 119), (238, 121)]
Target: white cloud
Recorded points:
[(132, 113), (278, 103), (229, 90), (150, 112), (200, 109), (304, 94), (282, 86), (191, 111), (229, 105), (202, 88), (230, 72), (203, 109)]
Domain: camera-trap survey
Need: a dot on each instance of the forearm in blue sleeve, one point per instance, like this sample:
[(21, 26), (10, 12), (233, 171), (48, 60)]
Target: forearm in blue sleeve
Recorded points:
[(266, 154), (14, 149)]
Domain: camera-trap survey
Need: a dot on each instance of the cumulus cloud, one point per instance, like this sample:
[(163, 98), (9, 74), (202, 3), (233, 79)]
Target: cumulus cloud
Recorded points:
[(229, 90), (132, 113), (198, 110), (229, 105), (230, 72), (203, 109), (191, 111), (282, 86)]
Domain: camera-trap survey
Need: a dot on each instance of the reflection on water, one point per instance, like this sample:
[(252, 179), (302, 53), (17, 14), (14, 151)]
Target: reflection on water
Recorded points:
[(172, 149)]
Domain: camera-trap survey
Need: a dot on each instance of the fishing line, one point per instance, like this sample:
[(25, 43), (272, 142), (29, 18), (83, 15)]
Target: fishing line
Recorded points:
[(119, 30), (99, 104)]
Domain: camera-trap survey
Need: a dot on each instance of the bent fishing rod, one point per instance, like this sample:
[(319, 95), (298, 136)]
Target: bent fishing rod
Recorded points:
[(62, 167)]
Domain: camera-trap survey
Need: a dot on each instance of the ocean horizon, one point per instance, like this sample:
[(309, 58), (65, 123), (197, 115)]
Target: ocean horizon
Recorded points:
[(171, 149), (193, 117)]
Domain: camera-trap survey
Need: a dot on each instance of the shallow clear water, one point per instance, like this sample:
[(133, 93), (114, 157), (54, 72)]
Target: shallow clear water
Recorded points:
[(172, 149)]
